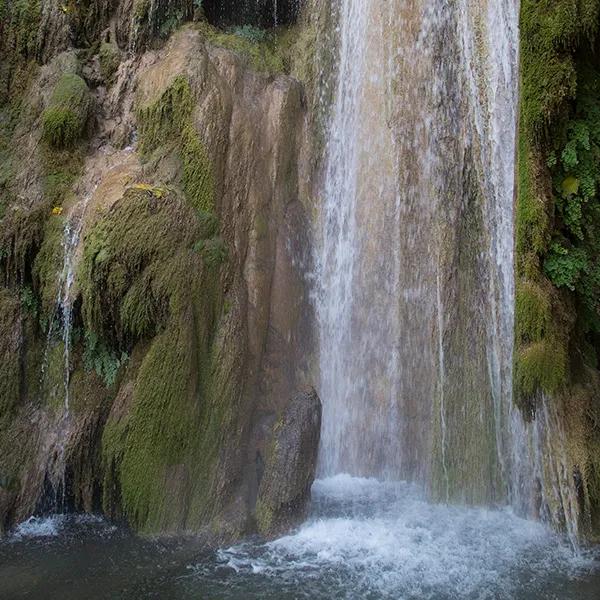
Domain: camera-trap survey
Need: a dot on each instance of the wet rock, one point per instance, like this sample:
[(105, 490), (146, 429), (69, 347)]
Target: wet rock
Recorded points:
[(260, 13), (284, 491), (255, 333)]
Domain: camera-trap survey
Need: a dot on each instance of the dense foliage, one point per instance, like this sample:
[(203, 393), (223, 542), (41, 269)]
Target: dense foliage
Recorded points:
[(558, 232), (559, 209)]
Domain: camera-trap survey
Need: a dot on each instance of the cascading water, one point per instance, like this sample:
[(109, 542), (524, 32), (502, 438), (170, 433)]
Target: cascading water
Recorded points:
[(415, 279), (63, 309), (59, 338)]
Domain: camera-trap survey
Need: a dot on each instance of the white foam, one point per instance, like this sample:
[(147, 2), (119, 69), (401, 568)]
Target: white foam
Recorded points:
[(391, 542), (39, 527)]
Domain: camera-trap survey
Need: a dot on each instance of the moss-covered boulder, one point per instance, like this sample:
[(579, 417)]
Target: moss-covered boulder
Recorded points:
[(284, 491), (65, 119), (109, 59)]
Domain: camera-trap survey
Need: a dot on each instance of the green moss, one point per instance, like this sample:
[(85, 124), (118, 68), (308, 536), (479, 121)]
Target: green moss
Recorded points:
[(213, 251), (23, 27), (558, 220), (61, 168), (260, 50), (550, 29), (542, 366), (48, 263), (169, 120), (140, 277), (533, 312), (109, 58), (533, 222), (21, 234), (10, 368), (65, 119)]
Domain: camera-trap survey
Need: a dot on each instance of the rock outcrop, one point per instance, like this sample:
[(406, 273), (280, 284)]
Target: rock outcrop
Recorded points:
[(156, 318), (289, 469)]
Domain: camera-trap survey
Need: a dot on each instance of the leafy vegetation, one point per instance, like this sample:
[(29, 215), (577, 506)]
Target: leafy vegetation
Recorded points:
[(98, 357), (573, 258), (558, 229)]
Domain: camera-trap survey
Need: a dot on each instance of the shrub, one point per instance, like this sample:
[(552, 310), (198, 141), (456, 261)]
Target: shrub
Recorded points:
[(98, 357)]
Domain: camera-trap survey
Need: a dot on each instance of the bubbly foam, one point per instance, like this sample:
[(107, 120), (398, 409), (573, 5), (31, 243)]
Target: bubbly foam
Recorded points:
[(39, 527), (56, 525), (380, 540)]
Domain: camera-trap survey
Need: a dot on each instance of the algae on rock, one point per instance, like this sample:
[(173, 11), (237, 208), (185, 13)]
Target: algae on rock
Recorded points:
[(65, 118)]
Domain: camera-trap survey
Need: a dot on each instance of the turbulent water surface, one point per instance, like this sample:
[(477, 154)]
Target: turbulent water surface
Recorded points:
[(364, 540)]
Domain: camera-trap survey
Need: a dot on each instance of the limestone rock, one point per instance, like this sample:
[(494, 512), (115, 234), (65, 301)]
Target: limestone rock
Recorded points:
[(284, 491)]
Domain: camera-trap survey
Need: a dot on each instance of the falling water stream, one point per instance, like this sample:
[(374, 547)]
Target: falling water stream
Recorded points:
[(59, 339), (430, 483), (416, 284)]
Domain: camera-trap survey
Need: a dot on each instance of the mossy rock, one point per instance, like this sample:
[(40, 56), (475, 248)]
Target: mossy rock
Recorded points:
[(10, 348), (542, 367), (168, 120), (64, 120), (261, 51), (290, 465), (533, 312), (143, 283), (21, 234), (109, 59)]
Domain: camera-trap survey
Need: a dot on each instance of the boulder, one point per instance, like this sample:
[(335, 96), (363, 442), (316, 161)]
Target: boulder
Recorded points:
[(284, 490)]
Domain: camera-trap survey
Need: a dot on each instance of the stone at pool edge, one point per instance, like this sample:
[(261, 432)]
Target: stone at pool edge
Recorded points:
[(284, 490)]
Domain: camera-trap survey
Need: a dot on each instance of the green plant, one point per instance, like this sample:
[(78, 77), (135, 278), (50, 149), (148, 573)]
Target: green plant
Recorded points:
[(213, 251), (259, 47), (252, 34), (29, 302), (101, 359), (572, 260)]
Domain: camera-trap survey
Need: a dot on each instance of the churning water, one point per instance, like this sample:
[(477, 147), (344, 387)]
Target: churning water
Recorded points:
[(415, 277), (364, 540)]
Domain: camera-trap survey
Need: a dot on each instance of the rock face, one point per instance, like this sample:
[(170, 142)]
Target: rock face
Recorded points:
[(289, 472), (262, 13), (155, 314)]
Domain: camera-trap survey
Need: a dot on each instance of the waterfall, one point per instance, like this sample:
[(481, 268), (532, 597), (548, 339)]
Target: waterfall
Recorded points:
[(415, 275)]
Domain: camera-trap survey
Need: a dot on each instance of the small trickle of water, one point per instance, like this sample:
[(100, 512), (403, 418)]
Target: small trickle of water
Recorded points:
[(61, 324), (63, 315)]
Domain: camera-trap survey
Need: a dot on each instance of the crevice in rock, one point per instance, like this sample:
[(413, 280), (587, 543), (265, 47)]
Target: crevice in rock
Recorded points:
[(257, 13)]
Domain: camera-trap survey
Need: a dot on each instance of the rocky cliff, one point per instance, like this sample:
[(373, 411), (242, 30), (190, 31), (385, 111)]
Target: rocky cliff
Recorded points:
[(155, 188)]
